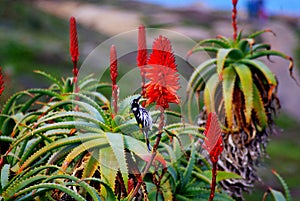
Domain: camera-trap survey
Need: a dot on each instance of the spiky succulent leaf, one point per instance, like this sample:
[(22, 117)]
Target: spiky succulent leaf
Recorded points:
[(221, 58), (210, 92), (284, 185), (245, 77), (259, 109), (229, 77), (277, 195)]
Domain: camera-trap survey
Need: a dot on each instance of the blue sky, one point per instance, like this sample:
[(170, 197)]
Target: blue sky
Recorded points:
[(288, 7)]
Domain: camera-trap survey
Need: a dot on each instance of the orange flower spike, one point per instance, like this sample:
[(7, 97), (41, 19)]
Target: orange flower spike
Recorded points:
[(163, 75)]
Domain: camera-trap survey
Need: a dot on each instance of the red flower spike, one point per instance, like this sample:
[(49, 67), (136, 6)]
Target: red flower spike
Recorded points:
[(234, 2), (113, 76), (162, 73), (113, 65), (213, 141), (142, 55), (73, 40), (1, 82)]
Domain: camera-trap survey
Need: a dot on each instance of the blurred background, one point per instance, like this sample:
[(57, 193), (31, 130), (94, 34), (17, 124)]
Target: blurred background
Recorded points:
[(34, 34)]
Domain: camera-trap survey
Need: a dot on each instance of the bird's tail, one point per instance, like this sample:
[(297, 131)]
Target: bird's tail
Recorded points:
[(147, 140)]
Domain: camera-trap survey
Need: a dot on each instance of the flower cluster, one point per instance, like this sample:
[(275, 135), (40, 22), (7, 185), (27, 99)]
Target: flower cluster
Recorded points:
[(162, 74)]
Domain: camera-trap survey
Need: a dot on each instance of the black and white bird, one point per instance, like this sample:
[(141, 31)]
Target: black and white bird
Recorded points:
[(143, 118)]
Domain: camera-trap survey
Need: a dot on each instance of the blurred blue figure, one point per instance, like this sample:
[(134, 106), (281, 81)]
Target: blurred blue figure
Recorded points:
[(256, 10)]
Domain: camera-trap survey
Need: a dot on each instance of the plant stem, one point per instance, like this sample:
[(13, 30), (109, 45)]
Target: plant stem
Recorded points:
[(213, 182), (234, 21), (75, 76)]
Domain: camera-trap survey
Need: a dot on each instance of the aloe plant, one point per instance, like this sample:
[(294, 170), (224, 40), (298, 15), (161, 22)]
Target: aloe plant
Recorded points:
[(240, 87), (70, 142)]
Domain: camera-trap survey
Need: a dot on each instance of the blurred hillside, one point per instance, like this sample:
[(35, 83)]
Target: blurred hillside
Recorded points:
[(35, 35)]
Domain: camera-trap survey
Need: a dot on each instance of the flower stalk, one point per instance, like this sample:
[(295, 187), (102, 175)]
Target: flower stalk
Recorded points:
[(161, 89), (142, 56), (214, 146), (234, 20)]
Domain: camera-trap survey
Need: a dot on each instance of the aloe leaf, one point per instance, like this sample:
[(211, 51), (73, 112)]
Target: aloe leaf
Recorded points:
[(124, 105), (245, 77), (85, 78), (255, 34), (110, 196), (204, 48), (221, 175), (100, 98), (284, 185), (92, 103), (27, 174), (189, 168), (263, 68), (268, 53), (68, 124), (259, 108), (221, 43), (6, 139), (5, 175), (51, 78), (277, 195), (87, 83), (60, 187), (9, 105), (61, 153), (85, 146), (46, 92), (140, 149), (229, 77), (92, 164), (97, 86), (92, 192), (116, 142), (221, 58), (57, 144), (210, 91), (109, 167), (197, 74), (16, 187), (261, 46), (226, 40), (76, 115)]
